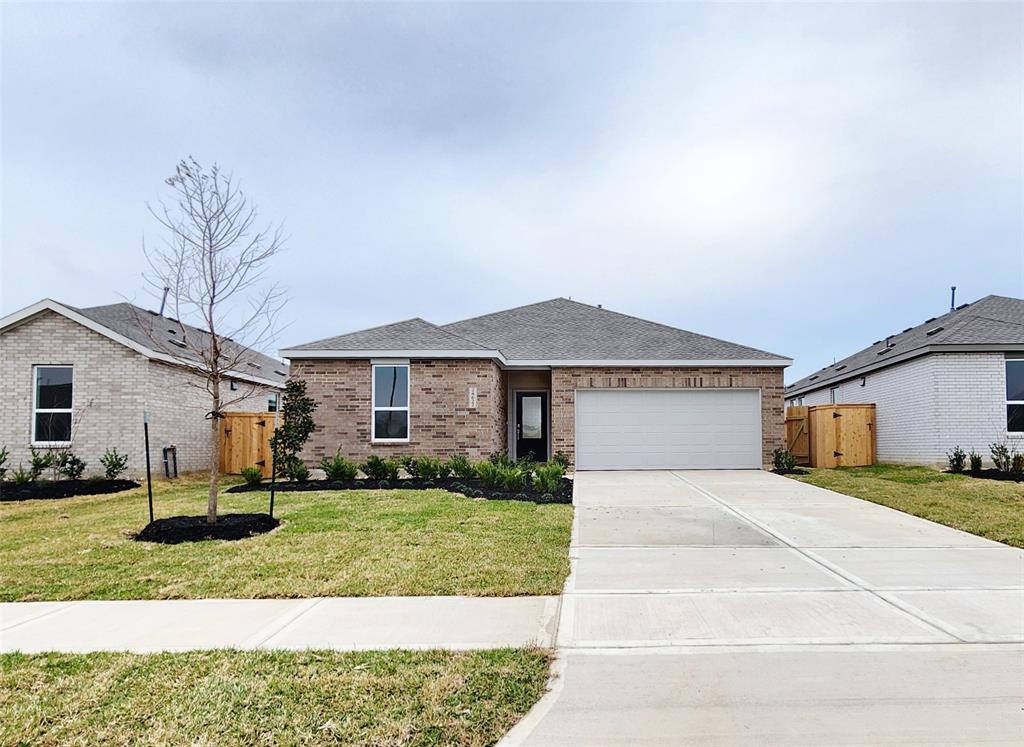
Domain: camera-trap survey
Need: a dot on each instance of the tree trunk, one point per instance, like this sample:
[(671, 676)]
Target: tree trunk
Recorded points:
[(211, 504)]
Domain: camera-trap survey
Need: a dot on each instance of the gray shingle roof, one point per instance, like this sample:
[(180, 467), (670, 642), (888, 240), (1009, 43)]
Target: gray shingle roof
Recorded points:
[(992, 320), (558, 329), (411, 334), (158, 333)]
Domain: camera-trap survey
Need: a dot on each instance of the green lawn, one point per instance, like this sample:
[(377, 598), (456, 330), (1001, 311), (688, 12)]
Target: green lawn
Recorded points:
[(340, 543), (268, 698), (984, 507)]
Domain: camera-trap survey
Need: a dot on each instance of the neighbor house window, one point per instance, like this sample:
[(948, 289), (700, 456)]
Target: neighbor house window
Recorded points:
[(390, 403), (1015, 395), (833, 394), (272, 403), (52, 402)]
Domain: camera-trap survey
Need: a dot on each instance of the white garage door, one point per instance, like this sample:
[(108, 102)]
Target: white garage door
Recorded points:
[(668, 429)]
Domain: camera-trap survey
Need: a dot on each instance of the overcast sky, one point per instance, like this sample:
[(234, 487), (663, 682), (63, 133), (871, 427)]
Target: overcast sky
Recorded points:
[(800, 178)]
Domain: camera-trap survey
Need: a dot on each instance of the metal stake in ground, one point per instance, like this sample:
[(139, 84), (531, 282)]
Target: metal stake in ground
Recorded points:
[(149, 475), (273, 463)]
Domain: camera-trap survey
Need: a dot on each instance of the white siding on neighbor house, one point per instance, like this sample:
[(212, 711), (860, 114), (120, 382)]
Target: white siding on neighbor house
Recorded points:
[(113, 385), (928, 405)]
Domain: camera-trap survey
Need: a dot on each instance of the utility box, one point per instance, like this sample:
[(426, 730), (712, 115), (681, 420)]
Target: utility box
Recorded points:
[(831, 435)]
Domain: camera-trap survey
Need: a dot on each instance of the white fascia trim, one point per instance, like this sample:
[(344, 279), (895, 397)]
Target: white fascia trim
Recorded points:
[(856, 373), (392, 354), (627, 363), (48, 304)]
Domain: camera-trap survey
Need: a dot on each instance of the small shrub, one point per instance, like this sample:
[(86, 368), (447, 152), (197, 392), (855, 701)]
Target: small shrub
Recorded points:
[(956, 459), (460, 466), (783, 460), (298, 471), (500, 459), (513, 477), (1017, 463), (429, 468), (114, 463), (377, 468), (252, 475), (22, 476), (975, 459), (338, 468), (1000, 456), (489, 474), (546, 477), (70, 466), (3, 462), (40, 461), (560, 457)]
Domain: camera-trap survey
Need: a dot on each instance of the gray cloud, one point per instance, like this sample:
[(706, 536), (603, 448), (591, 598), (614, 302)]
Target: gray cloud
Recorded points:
[(797, 177)]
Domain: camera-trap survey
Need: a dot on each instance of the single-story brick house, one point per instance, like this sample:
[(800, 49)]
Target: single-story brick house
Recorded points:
[(83, 377), (955, 379), (607, 390)]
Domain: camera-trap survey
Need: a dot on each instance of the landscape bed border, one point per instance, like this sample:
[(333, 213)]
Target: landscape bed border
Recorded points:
[(471, 487)]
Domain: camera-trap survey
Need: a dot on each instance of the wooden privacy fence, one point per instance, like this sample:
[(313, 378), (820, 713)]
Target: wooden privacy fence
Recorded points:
[(245, 441), (831, 435)]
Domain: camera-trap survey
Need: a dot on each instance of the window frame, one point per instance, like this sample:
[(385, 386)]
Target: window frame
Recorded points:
[(1006, 394), (833, 395), (373, 402), (36, 410)]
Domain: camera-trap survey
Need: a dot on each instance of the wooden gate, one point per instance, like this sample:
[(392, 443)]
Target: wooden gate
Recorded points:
[(245, 441), (836, 435), (798, 434)]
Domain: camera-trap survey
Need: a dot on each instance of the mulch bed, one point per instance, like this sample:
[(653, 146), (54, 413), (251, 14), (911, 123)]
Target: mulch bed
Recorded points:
[(470, 487), (177, 529), (991, 474), (794, 471), (47, 489)]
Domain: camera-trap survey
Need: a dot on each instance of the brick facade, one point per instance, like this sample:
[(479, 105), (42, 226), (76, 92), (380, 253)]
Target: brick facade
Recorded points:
[(565, 382), (441, 422), (113, 386), (926, 406)]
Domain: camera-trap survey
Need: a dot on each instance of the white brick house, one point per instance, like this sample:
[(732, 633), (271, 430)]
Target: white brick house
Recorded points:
[(957, 379), (84, 377)]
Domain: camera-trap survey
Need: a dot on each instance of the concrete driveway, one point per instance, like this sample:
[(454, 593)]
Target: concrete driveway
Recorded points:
[(735, 607)]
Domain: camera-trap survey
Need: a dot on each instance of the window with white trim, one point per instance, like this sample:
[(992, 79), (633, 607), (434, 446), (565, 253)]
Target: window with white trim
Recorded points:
[(833, 395), (1015, 395), (390, 421), (52, 404)]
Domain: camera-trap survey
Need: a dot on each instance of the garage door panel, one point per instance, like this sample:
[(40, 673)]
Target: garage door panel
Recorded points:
[(668, 429)]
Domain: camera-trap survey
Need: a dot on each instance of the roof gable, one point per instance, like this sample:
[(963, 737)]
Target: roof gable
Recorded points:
[(150, 334), (996, 321), (558, 331)]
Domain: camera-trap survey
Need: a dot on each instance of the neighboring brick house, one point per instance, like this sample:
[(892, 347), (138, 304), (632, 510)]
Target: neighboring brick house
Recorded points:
[(83, 378), (954, 380), (607, 390)]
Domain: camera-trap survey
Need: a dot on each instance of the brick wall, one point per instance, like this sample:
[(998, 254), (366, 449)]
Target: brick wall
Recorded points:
[(113, 385), (441, 422), (564, 382), (928, 405)]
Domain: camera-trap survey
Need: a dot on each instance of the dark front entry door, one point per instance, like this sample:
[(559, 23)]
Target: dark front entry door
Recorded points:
[(532, 425)]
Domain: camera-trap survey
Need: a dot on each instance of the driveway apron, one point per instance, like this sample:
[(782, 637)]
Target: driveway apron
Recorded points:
[(740, 607)]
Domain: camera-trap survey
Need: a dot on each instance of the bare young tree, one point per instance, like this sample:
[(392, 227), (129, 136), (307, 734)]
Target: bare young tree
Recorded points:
[(214, 260)]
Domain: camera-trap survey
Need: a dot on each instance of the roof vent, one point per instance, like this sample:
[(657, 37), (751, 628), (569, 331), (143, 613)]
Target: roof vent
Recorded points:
[(876, 342), (962, 306), (883, 351), (906, 330), (253, 365), (812, 378), (929, 321), (178, 343), (280, 373), (935, 331), (840, 368)]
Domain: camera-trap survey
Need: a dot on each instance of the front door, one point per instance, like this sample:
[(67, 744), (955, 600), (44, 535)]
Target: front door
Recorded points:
[(532, 425)]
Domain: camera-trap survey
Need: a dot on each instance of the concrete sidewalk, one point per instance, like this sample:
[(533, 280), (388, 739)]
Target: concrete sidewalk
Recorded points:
[(342, 624)]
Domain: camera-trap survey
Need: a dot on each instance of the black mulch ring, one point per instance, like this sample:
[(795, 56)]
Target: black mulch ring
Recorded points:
[(794, 471), (470, 487), (177, 529), (10, 491), (991, 474)]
